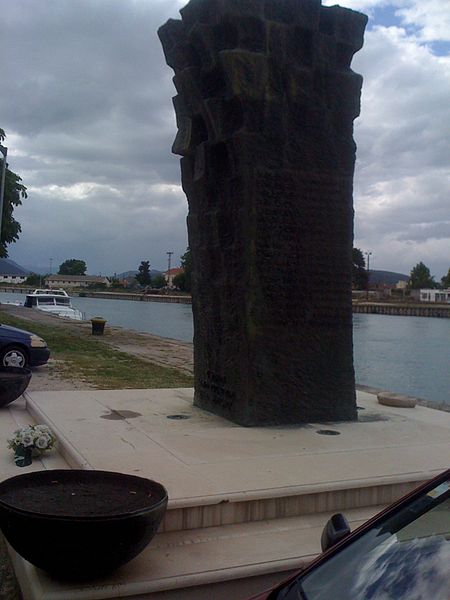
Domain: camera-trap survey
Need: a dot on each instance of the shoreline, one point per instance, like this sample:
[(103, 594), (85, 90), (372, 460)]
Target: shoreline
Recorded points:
[(428, 309), (163, 351), (420, 401), (114, 295), (400, 309), (157, 350)]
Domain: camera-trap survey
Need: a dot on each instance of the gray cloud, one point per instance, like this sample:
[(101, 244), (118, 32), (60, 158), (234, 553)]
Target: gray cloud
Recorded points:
[(403, 135), (91, 122), (86, 103)]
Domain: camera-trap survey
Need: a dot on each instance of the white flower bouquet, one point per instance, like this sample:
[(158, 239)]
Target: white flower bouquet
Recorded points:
[(31, 441)]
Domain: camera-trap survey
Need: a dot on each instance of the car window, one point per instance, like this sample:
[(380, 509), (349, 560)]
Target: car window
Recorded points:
[(405, 557)]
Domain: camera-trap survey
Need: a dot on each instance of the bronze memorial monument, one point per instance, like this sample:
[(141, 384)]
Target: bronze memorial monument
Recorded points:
[(265, 108)]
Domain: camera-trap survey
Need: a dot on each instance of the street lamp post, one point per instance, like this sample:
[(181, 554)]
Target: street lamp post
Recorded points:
[(169, 254), (4, 151), (368, 255)]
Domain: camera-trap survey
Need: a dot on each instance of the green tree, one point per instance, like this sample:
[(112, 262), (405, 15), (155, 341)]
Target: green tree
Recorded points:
[(72, 266), (97, 286), (420, 277), (13, 195), (186, 265), (116, 284), (445, 281), (143, 277), (34, 280), (179, 281), (158, 282), (360, 277)]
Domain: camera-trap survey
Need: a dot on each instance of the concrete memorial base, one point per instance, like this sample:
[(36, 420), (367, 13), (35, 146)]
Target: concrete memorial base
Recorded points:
[(246, 506)]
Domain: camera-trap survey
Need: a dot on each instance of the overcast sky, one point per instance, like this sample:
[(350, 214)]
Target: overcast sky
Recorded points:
[(85, 100)]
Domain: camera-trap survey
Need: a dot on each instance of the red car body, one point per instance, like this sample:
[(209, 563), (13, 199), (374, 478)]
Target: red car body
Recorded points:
[(399, 508)]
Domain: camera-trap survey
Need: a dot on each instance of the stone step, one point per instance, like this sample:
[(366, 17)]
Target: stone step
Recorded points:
[(287, 503), (232, 561), (247, 506), (278, 483)]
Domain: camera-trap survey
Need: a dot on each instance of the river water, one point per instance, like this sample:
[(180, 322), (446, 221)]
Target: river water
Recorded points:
[(409, 355)]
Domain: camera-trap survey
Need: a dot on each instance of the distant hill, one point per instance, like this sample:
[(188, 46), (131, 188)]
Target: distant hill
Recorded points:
[(376, 277), (38, 270), (126, 274), (132, 274), (9, 267), (388, 277)]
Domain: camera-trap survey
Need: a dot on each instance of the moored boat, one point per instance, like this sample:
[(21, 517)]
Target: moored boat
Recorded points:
[(55, 302)]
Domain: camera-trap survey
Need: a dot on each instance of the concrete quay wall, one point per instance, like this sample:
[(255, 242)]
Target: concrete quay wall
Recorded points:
[(377, 308), (110, 295), (137, 297), (404, 310)]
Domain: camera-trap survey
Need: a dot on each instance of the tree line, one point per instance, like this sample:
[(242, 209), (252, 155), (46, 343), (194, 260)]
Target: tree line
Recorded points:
[(181, 281), (419, 278)]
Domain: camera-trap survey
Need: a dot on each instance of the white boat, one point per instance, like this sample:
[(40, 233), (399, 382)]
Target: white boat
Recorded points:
[(55, 302)]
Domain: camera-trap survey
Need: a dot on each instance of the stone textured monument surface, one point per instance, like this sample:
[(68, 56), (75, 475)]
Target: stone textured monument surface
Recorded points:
[(265, 108)]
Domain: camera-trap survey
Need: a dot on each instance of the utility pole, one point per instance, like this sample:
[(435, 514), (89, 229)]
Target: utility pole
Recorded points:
[(169, 283), (368, 255), (51, 261)]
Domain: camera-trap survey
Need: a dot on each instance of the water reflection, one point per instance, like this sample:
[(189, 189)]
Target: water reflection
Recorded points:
[(409, 355)]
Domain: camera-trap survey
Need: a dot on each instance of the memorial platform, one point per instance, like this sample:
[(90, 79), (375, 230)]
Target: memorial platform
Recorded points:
[(246, 505)]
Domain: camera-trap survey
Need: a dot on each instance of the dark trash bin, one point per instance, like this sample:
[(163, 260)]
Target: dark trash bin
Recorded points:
[(98, 325)]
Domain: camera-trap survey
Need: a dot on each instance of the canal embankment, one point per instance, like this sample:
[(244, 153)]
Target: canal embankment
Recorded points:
[(135, 296), (138, 297), (403, 309), (441, 311)]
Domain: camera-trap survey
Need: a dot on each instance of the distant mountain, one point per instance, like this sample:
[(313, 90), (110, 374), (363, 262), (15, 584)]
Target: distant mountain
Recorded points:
[(37, 270), (388, 277), (9, 267), (126, 274), (376, 277), (132, 274)]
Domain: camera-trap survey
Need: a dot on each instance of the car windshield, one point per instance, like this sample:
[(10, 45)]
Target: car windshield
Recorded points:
[(406, 556)]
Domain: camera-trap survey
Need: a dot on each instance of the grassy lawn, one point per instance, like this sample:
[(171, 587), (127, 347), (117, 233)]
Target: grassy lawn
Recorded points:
[(81, 356)]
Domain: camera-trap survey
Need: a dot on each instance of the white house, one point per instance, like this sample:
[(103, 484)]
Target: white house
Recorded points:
[(170, 275), (75, 280), (11, 272), (435, 295)]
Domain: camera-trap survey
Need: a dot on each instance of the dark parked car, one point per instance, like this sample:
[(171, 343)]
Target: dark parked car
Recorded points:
[(403, 553), (20, 348)]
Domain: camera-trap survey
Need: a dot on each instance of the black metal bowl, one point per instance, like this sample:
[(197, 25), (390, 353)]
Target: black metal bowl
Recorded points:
[(80, 524), (13, 382)]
